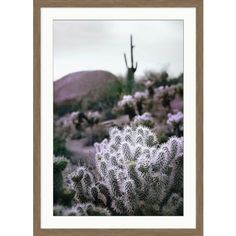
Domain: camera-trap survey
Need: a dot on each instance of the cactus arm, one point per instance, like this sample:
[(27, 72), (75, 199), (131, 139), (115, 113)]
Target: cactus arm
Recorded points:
[(126, 63), (136, 66)]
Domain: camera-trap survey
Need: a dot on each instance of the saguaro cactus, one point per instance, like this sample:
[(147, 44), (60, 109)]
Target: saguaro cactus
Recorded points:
[(131, 70)]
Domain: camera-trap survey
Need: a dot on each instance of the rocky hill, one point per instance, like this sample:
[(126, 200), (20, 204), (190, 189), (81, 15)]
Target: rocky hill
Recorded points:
[(74, 86)]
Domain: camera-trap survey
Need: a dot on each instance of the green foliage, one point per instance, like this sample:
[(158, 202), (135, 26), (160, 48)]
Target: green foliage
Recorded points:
[(60, 195), (58, 210), (65, 108), (174, 206), (108, 96), (162, 137), (129, 87), (139, 87), (180, 90), (59, 148)]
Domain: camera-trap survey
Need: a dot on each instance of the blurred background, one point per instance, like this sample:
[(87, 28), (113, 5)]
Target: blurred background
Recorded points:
[(92, 45), (115, 73)]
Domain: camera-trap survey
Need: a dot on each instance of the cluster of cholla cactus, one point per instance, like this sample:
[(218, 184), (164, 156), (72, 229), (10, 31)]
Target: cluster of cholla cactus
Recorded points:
[(175, 123), (65, 126), (165, 94), (135, 176), (133, 105), (145, 119), (69, 125), (93, 117), (127, 105), (140, 98)]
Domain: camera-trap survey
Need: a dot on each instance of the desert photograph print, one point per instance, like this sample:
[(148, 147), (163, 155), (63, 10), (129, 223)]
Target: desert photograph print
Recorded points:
[(118, 119)]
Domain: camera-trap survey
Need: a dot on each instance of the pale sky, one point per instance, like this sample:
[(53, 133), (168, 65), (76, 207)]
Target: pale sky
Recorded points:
[(100, 45)]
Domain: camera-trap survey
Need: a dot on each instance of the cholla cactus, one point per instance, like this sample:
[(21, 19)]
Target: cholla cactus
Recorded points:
[(140, 98), (133, 105), (87, 209), (145, 119), (174, 206), (65, 126), (175, 123), (127, 100), (140, 95), (60, 194), (149, 85), (175, 118), (127, 104), (165, 95), (136, 175), (71, 120), (69, 125), (94, 117)]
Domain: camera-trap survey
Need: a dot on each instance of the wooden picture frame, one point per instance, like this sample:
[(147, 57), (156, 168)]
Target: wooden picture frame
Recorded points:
[(198, 4)]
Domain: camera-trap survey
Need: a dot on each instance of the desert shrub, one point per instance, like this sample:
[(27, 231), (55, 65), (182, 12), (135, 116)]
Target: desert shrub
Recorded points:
[(180, 90), (59, 148), (136, 175), (139, 87), (67, 107), (105, 99)]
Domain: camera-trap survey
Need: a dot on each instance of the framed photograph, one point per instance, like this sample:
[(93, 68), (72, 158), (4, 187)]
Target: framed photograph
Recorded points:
[(118, 117)]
